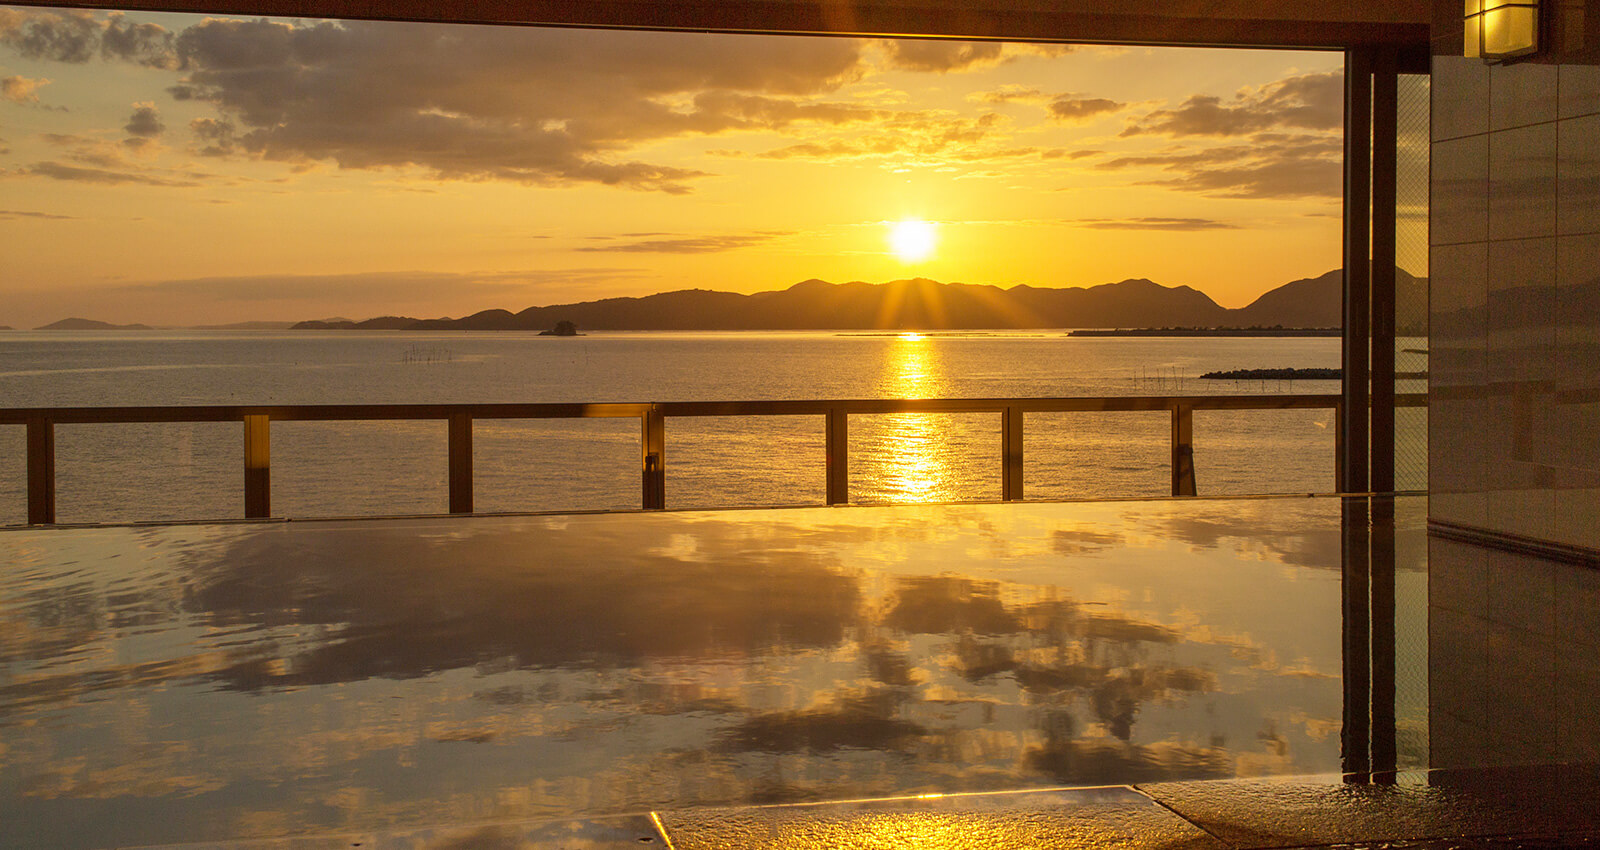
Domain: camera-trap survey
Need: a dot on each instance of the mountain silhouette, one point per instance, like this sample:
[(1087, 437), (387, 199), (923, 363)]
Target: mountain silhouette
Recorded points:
[(922, 304), (1319, 302)]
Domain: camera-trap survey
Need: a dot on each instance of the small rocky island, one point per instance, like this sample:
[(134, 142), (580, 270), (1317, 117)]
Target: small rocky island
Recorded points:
[(89, 325), (562, 328)]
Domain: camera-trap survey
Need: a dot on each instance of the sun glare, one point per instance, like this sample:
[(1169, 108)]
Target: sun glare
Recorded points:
[(912, 239)]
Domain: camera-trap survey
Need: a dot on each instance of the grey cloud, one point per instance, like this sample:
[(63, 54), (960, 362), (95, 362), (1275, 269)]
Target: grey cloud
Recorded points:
[(103, 176), (216, 137), (1290, 179), (19, 89), (1069, 106), (1305, 102), (1012, 94), (1270, 166), (912, 139), (86, 150), (690, 245), (145, 44), (527, 105), (65, 139), (78, 36), (742, 110), (1154, 223), (102, 155), (942, 56), (145, 121), (1081, 109), (836, 149), (1058, 153), (11, 215), (58, 36)]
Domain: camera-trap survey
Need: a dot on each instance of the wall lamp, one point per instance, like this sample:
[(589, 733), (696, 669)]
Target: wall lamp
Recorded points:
[(1497, 30)]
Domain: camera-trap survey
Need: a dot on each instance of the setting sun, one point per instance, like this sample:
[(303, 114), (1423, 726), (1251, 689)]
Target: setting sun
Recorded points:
[(912, 239)]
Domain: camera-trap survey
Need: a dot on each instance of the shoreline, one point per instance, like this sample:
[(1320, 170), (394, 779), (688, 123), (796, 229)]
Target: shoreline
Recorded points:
[(1221, 332)]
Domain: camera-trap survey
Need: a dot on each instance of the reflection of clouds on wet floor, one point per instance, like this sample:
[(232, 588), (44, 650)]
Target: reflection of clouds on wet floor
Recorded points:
[(346, 674)]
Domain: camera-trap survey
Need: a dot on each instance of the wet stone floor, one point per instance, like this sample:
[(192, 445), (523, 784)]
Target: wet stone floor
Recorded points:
[(698, 679)]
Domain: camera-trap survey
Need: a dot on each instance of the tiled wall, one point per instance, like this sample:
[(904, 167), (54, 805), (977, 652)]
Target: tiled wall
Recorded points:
[(1514, 658), (1514, 442), (1515, 425)]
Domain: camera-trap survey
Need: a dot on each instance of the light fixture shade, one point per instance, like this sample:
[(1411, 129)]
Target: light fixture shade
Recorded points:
[(1501, 29)]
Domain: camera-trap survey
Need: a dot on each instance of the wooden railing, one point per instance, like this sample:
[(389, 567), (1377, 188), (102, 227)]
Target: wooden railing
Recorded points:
[(652, 416)]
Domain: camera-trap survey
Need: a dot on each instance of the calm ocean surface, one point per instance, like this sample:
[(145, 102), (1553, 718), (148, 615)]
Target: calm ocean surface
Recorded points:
[(110, 473)]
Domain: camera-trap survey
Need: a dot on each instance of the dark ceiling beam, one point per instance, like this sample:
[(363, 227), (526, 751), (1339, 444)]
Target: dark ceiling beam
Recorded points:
[(1237, 23)]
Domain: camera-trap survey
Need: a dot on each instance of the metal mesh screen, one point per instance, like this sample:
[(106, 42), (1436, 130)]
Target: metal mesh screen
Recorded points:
[(1411, 254)]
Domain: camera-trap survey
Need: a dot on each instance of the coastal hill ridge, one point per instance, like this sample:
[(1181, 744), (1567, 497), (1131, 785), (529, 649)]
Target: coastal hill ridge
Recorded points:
[(923, 304)]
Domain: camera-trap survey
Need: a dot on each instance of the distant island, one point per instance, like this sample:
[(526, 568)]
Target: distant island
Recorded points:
[(90, 325), (562, 329), (382, 323)]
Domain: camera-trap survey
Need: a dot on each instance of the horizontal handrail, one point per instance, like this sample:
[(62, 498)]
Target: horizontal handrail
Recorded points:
[(257, 419), (315, 412), (581, 410)]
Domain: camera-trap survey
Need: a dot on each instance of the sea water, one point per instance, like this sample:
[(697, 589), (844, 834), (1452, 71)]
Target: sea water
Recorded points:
[(115, 473)]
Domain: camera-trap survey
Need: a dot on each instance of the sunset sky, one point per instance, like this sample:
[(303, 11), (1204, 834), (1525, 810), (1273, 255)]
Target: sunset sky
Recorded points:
[(179, 170)]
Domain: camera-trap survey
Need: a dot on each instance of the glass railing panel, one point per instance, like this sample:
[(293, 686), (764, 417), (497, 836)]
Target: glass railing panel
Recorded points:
[(358, 468), (13, 475), (1250, 452), (740, 461), (144, 472), (1097, 455), (555, 464), (924, 457)]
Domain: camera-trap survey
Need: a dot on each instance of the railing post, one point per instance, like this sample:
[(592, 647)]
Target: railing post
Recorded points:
[(1183, 449), (654, 444), (837, 444), (1011, 454), (257, 466), (460, 463), (1356, 347), (41, 471)]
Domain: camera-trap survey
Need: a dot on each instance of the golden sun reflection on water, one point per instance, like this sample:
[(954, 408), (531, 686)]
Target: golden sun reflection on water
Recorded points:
[(908, 455)]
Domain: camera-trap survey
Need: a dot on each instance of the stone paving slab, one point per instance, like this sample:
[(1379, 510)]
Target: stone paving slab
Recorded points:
[(1110, 817), (1551, 801), (627, 832)]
